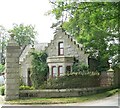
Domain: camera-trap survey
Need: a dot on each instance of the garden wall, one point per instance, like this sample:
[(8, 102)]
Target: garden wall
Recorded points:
[(73, 85), (117, 77), (62, 92)]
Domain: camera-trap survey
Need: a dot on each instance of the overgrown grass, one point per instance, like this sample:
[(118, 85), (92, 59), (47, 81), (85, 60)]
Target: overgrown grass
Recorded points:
[(64, 100)]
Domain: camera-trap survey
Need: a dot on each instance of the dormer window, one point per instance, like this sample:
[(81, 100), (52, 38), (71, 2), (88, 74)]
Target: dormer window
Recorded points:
[(60, 48)]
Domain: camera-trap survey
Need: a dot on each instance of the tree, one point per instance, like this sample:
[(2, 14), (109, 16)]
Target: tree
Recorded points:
[(94, 24), (2, 68), (39, 68), (24, 34), (4, 36)]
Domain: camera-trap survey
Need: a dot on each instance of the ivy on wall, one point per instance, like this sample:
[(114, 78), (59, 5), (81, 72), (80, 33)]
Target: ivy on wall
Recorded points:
[(39, 68)]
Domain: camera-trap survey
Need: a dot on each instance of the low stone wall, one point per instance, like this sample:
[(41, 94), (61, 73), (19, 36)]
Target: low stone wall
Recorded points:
[(117, 77), (62, 92)]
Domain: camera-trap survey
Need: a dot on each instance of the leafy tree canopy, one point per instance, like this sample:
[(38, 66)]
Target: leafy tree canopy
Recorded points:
[(4, 36), (2, 67), (24, 34), (94, 24)]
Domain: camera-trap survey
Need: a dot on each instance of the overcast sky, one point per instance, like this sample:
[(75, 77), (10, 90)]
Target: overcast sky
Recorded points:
[(28, 12)]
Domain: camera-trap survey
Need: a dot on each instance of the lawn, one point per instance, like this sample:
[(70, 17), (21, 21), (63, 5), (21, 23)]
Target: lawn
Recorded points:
[(63, 100)]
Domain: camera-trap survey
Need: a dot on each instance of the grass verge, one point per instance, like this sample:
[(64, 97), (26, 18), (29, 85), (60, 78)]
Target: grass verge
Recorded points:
[(64, 100)]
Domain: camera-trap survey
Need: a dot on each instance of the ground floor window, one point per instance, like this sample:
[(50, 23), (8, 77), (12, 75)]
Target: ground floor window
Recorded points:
[(60, 71), (57, 71), (68, 69), (54, 71)]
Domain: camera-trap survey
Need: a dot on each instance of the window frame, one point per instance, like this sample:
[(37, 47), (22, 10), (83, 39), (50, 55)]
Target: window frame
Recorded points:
[(53, 71), (60, 48), (68, 67), (59, 70)]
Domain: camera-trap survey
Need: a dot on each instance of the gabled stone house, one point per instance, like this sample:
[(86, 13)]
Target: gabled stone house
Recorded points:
[(25, 61), (61, 53)]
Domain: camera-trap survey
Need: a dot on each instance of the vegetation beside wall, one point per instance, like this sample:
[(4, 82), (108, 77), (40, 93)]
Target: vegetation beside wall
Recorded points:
[(39, 68), (79, 66), (22, 87), (74, 80), (2, 90), (2, 67)]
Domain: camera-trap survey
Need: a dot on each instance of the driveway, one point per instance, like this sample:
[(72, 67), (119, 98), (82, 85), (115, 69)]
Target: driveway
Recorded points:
[(109, 102)]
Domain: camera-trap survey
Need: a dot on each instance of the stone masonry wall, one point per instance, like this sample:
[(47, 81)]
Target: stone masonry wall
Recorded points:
[(48, 93), (71, 47), (12, 71)]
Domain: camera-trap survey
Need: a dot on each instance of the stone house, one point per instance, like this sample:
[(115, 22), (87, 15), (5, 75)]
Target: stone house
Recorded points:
[(61, 53), (25, 61)]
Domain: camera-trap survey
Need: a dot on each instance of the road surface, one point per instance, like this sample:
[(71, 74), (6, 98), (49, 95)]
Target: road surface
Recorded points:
[(109, 102)]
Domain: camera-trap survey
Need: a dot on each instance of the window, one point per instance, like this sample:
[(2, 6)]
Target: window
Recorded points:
[(60, 71), (68, 69), (54, 71), (60, 48)]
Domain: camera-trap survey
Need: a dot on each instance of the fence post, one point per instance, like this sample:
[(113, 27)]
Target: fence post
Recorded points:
[(12, 70)]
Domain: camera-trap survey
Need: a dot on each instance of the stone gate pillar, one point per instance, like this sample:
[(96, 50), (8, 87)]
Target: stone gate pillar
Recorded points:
[(12, 70)]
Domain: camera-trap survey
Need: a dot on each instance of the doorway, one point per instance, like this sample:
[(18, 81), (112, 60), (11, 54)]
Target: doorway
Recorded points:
[(29, 77)]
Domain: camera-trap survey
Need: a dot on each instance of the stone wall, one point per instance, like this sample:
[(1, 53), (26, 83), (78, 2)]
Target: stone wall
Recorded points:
[(71, 47), (117, 77), (12, 71), (24, 66), (107, 79), (25, 60), (61, 92)]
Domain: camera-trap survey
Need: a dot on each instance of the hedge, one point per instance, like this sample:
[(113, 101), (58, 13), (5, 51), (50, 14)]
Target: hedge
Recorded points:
[(72, 81)]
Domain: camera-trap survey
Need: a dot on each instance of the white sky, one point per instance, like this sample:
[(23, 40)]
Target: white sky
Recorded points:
[(28, 12)]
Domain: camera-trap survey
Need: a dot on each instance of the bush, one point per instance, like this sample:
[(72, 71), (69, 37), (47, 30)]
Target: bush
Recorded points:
[(26, 88), (2, 67), (79, 66), (73, 80), (2, 90), (39, 68)]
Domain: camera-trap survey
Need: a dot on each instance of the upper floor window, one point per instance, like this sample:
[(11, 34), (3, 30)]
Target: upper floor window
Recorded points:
[(60, 48)]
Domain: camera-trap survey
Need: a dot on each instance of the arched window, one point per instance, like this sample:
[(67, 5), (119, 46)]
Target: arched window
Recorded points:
[(60, 48)]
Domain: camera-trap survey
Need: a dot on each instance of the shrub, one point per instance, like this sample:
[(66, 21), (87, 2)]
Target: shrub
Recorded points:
[(73, 80), (79, 66), (26, 88), (2, 67), (2, 90), (39, 68)]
